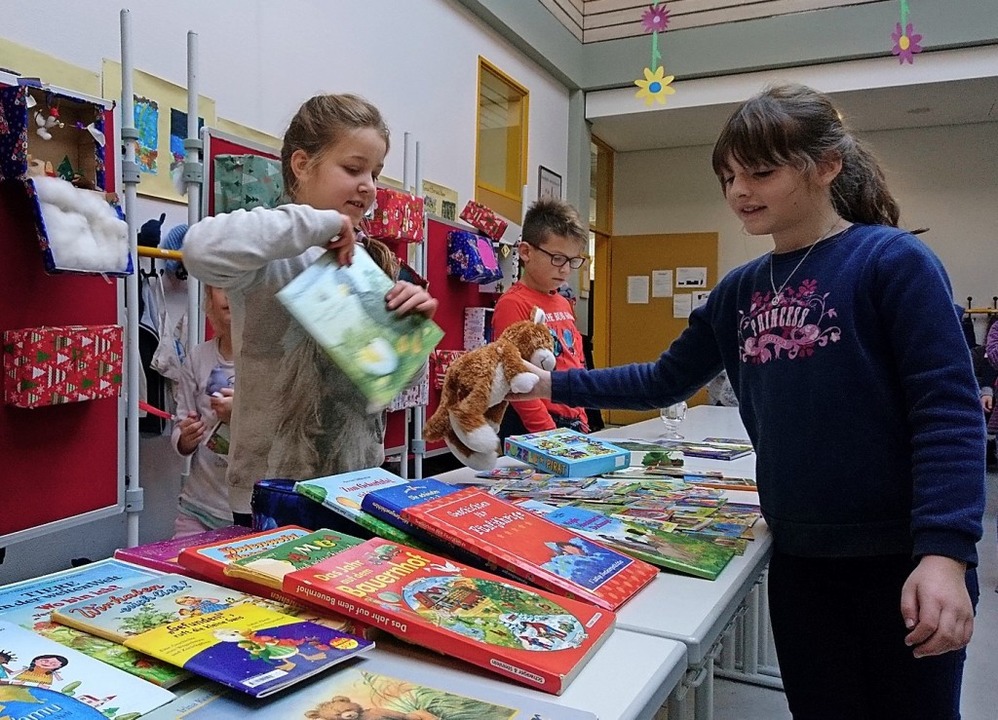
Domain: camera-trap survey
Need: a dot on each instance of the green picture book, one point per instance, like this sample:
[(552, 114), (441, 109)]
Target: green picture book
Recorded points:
[(344, 309), (269, 567)]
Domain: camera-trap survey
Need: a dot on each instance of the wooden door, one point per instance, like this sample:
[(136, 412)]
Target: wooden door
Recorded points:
[(640, 332)]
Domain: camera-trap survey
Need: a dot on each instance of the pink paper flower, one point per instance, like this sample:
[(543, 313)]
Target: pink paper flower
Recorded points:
[(905, 43), (655, 18)]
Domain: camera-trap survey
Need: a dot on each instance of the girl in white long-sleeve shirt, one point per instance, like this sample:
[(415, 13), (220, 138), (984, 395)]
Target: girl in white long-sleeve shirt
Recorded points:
[(296, 415)]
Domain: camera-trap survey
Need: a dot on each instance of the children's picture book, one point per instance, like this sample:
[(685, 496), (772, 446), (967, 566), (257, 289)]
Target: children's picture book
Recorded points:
[(269, 567), (524, 634), (29, 603), (149, 603), (672, 551), (43, 679), (388, 503), (534, 549), (219, 438), (344, 493), (209, 560), (213, 559), (250, 648), (708, 450), (377, 686), (567, 453), (163, 555), (344, 309)]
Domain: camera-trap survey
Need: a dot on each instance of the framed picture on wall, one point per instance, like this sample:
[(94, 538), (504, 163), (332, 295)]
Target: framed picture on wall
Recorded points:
[(548, 183)]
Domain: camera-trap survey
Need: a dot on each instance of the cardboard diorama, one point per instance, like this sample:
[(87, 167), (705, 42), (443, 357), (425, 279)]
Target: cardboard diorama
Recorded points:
[(52, 160)]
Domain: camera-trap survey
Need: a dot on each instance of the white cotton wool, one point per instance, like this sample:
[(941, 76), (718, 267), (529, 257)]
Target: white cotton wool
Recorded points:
[(84, 233)]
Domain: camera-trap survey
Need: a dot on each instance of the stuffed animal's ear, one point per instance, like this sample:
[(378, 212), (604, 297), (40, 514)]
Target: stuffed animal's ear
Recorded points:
[(539, 316)]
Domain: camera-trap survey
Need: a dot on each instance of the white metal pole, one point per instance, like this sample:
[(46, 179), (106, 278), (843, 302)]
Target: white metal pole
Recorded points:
[(130, 179), (419, 413), (192, 181)]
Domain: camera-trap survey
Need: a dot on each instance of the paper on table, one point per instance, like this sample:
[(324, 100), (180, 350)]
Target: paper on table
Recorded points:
[(637, 289)]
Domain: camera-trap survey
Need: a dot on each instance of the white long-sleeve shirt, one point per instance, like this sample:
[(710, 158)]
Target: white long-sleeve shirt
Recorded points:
[(253, 254), (205, 493)]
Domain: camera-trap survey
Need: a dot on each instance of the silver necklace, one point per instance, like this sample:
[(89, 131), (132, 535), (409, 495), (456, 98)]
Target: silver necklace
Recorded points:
[(778, 292)]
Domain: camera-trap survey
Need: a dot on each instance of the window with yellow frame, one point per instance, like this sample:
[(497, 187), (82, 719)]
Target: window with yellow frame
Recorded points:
[(501, 150)]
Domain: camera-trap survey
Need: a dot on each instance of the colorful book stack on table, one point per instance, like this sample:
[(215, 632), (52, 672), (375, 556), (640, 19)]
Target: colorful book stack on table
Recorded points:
[(40, 678), (534, 549), (344, 494), (29, 604), (524, 634)]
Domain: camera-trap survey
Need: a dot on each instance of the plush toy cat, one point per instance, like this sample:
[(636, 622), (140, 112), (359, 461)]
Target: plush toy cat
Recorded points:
[(473, 401)]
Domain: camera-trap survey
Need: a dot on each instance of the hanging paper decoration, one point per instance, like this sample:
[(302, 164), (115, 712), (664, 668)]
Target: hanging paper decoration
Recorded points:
[(656, 84), (905, 41)]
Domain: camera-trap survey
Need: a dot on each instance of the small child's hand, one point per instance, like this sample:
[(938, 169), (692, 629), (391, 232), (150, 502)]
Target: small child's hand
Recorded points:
[(936, 607), (192, 431), (342, 245), (406, 298), (221, 404), (542, 389), (987, 402)]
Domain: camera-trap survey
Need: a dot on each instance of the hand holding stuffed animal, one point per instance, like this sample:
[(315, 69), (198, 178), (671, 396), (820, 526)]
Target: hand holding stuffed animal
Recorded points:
[(473, 401)]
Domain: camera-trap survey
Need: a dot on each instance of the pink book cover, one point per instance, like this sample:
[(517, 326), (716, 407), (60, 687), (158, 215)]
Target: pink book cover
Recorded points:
[(163, 555), (537, 550)]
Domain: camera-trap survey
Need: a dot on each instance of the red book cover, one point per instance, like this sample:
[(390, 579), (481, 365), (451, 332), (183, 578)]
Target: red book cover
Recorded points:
[(523, 634), (537, 550), (208, 562)]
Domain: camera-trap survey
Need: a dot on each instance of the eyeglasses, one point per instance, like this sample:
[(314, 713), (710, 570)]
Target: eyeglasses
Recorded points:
[(559, 260)]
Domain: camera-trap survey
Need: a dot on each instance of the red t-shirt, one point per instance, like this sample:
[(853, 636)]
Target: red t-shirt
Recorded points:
[(517, 304)]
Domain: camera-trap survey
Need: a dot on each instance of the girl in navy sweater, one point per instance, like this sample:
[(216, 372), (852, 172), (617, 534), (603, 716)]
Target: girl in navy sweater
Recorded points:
[(839, 345)]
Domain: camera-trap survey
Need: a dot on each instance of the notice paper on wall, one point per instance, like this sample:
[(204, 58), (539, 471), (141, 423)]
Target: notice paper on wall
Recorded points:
[(661, 283), (637, 289), (691, 277), (682, 305), (700, 298)]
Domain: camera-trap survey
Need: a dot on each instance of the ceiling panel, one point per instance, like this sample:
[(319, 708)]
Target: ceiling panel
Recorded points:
[(887, 108), (598, 20)]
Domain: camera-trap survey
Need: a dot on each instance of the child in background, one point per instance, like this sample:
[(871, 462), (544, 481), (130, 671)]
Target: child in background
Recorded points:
[(296, 414), (204, 399), (856, 388), (552, 245)]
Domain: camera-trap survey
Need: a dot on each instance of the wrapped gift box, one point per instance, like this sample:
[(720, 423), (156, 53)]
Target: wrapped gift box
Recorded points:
[(397, 216), (440, 362), (56, 365), (471, 257), (477, 327), (246, 182), (484, 219)]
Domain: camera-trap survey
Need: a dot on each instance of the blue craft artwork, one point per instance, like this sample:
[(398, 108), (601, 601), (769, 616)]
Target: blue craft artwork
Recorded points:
[(146, 113)]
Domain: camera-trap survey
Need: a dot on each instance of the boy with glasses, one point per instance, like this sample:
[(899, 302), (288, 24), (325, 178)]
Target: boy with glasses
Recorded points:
[(552, 246)]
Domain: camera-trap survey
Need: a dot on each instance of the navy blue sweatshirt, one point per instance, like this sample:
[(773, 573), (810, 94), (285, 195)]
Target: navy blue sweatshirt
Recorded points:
[(856, 388)]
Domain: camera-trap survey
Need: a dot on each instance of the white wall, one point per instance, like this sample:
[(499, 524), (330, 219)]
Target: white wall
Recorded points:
[(943, 177), (417, 61)]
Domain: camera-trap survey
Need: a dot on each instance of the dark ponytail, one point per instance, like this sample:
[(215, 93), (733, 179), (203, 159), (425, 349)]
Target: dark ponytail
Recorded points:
[(795, 125)]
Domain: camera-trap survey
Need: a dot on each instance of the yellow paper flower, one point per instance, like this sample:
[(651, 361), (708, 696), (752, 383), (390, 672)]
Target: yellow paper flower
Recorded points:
[(655, 86)]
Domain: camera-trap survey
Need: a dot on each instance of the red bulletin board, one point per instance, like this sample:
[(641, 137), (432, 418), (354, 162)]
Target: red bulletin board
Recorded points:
[(62, 461), (454, 296)]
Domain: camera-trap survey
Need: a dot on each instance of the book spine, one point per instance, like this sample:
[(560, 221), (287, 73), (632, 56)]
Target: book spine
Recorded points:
[(426, 636), (161, 565)]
